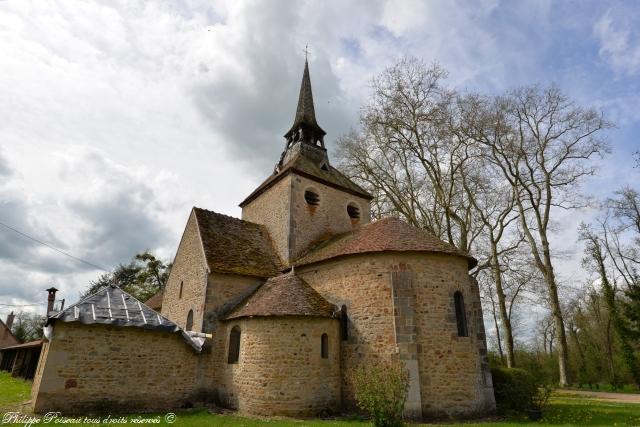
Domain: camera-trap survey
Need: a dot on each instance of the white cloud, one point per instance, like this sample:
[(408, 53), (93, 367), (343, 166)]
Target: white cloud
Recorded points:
[(619, 39)]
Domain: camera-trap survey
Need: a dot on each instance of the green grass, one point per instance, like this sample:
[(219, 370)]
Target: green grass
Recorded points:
[(564, 410), (12, 391)]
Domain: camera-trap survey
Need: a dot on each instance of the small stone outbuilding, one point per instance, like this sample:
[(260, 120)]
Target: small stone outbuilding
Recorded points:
[(111, 353), (294, 298)]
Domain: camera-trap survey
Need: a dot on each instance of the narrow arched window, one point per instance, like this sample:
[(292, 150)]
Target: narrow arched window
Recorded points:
[(190, 320), (324, 346), (180, 295), (461, 315), (344, 323), (234, 345)]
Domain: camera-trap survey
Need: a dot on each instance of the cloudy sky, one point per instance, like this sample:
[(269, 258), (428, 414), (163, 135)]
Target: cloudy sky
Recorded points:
[(118, 116)]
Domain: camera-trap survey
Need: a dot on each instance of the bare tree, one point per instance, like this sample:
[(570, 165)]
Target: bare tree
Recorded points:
[(409, 157), (543, 144)]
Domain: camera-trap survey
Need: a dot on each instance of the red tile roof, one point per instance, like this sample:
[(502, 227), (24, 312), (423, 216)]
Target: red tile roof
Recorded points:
[(284, 295), (155, 302), (234, 246), (385, 235), (6, 337)]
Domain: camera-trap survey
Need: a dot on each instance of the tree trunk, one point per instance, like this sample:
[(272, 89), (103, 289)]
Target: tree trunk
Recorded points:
[(497, 326), (556, 313), (583, 360), (504, 317)]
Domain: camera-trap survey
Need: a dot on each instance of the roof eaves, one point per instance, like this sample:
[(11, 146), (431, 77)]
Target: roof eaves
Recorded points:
[(268, 183), (472, 262)]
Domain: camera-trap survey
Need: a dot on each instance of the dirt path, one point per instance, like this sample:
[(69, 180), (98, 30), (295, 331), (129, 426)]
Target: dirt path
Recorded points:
[(601, 395)]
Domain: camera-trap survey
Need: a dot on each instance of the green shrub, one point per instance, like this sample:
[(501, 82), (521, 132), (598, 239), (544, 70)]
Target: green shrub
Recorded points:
[(381, 390), (515, 389), (540, 398)]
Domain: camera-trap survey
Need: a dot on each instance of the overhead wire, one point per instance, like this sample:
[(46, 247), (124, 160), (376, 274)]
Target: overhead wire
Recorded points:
[(53, 247)]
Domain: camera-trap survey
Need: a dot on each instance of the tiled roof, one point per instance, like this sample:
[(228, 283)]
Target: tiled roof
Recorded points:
[(155, 302), (110, 305), (306, 167), (6, 336), (388, 234), (284, 295), (30, 344), (234, 246)]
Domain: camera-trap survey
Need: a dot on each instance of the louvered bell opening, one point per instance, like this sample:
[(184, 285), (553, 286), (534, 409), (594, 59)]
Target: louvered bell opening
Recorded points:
[(311, 198), (353, 211)]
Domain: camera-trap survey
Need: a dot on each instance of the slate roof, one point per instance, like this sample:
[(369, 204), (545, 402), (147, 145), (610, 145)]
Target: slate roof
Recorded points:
[(305, 112), (306, 167), (234, 246), (284, 295), (110, 305), (388, 234)]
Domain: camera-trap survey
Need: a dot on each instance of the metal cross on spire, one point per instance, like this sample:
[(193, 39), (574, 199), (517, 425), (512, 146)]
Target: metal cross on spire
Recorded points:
[(306, 51)]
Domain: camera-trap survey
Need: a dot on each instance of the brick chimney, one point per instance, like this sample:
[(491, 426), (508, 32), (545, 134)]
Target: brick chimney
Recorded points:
[(9, 321), (51, 299)]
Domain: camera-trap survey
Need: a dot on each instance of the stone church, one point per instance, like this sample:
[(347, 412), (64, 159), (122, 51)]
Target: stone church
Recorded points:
[(271, 314)]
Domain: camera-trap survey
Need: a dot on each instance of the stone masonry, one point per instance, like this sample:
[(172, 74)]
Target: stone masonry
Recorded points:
[(187, 284), (452, 372), (98, 368), (281, 371)]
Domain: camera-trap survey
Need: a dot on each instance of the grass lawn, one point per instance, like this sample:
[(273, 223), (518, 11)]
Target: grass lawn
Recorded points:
[(12, 392), (563, 411)]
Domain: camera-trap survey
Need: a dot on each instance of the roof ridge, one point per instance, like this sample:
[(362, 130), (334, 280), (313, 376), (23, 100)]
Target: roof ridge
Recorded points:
[(227, 216), (266, 300)]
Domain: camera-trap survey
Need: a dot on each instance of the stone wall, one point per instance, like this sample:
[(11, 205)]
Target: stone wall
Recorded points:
[(412, 317), (272, 209), (311, 223), (280, 370), (361, 283), (87, 368), (224, 291), (189, 271), (454, 370), (293, 224)]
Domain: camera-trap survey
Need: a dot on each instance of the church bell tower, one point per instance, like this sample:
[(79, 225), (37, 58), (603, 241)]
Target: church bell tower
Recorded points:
[(305, 200)]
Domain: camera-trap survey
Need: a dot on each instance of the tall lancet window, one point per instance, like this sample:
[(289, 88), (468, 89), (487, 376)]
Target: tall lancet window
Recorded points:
[(461, 315), (189, 321), (324, 346), (234, 345)]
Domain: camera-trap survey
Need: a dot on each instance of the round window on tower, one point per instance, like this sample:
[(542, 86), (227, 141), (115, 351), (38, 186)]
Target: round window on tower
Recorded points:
[(354, 211), (311, 197)]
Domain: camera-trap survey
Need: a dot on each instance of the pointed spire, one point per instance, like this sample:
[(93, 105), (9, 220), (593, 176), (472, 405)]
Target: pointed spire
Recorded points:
[(305, 127)]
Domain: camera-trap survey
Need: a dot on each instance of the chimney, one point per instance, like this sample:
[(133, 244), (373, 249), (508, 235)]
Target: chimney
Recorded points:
[(51, 299), (9, 321)]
